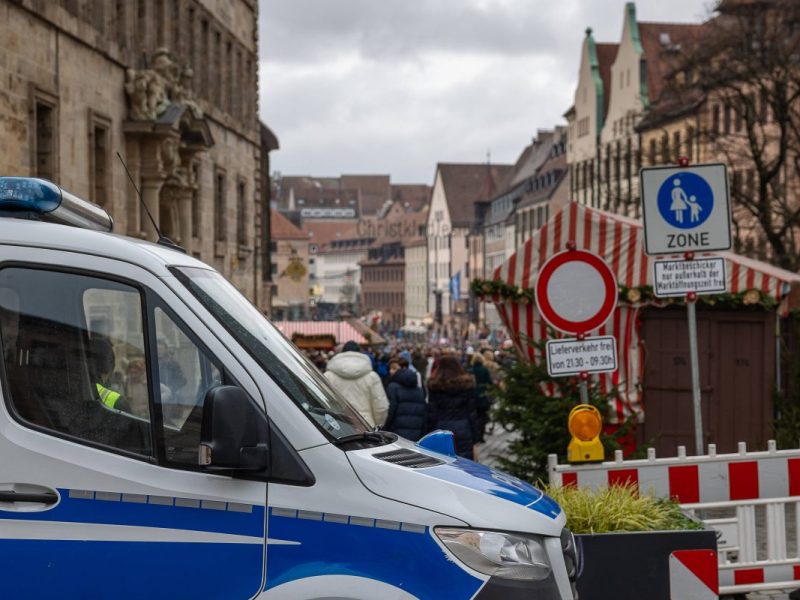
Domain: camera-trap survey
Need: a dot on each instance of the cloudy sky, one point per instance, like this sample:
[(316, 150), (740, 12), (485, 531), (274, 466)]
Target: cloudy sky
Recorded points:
[(395, 86)]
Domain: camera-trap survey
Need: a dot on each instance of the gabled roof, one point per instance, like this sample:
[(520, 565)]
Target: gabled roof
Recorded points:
[(373, 190), (466, 184), (663, 45), (323, 233), (606, 55), (416, 195), (282, 228)]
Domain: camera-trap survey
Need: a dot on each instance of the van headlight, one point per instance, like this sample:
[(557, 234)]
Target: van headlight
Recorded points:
[(512, 556)]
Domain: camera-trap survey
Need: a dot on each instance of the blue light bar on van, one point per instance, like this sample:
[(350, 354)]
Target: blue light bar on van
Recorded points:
[(49, 202)]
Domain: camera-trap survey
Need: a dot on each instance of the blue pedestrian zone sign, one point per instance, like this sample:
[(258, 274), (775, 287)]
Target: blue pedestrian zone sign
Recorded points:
[(685, 209), (685, 200)]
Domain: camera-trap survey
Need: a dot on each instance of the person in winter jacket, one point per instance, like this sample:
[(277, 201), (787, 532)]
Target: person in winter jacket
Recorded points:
[(407, 409), (451, 402), (350, 373), (483, 379)]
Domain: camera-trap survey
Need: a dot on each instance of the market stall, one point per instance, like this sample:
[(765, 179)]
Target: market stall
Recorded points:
[(620, 241)]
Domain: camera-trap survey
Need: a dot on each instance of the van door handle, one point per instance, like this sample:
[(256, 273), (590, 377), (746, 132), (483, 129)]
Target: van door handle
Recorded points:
[(39, 498)]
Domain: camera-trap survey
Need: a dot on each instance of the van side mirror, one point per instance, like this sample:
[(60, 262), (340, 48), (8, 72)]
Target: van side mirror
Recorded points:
[(233, 435)]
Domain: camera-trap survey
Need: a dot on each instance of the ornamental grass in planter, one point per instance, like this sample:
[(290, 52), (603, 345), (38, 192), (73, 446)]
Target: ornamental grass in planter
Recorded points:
[(625, 538), (619, 508)]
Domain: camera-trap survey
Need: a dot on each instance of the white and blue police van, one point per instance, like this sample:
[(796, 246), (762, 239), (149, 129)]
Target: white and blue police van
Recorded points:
[(159, 438)]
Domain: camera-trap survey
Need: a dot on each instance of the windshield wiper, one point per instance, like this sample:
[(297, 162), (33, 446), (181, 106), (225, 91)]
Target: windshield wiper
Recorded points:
[(382, 437)]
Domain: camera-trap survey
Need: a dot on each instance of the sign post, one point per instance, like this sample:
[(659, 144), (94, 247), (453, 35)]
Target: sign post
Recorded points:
[(687, 209), (576, 292)]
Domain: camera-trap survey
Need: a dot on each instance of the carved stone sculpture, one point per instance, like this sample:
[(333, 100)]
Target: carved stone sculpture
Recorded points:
[(151, 91)]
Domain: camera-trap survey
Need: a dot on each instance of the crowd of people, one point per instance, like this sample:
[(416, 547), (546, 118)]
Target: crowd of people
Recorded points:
[(412, 390)]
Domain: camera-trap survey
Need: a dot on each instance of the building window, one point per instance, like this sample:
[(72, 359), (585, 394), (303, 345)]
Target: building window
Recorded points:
[(196, 195), (121, 22), (652, 152), (230, 70), (220, 225), (176, 25), (45, 135), (241, 213), (726, 119), (737, 117), (161, 23), (205, 65), (141, 24), (665, 149), (217, 69), (715, 120), (676, 144), (99, 147)]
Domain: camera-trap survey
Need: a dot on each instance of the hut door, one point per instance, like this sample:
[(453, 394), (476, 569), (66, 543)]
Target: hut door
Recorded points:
[(737, 371)]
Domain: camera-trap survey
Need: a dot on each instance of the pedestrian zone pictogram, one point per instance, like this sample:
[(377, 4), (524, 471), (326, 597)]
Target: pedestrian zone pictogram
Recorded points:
[(685, 200)]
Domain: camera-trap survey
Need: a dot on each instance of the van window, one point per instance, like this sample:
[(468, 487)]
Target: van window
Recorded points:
[(300, 379), (185, 374), (71, 346)]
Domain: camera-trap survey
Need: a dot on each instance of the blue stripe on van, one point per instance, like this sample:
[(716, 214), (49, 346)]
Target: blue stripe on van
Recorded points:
[(69, 570), (111, 512), (369, 548)]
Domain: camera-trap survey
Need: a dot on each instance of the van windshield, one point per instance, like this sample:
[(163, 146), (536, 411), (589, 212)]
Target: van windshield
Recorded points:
[(287, 366)]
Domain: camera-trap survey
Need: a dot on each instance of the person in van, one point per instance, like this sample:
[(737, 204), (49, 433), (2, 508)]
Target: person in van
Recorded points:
[(451, 402), (350, 373), (407, 408), (102, 364)]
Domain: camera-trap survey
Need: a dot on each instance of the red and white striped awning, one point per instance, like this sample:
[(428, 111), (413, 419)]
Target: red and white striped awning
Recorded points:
[(620, 242), (342, 330)]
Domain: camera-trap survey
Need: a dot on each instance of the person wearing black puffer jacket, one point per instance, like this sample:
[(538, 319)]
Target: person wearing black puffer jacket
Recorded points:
[(451, 401), (407, 409)]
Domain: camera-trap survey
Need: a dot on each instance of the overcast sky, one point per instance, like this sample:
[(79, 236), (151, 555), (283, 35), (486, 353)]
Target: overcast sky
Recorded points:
[(395, 86)]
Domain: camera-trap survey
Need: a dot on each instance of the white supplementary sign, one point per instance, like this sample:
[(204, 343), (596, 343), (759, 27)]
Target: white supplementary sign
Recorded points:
[(685, 209), (679, 277), (590, 355)]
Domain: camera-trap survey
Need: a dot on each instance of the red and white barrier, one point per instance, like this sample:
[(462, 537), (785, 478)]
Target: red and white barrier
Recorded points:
[(743, 483), (693, 575)]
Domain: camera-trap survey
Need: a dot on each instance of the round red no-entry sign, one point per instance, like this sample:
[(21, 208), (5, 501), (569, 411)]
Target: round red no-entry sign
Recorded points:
[(576, 291)]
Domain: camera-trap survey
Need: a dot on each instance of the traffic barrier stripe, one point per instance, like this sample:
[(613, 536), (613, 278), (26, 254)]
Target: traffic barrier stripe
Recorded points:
[(745, 576), (722, 478), (794, 476), (684, 484), (624, 477), (693, 575), (743, 477)]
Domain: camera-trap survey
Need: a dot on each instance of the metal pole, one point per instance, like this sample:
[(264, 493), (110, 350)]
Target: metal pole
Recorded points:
[(695, 365), (584, 388)]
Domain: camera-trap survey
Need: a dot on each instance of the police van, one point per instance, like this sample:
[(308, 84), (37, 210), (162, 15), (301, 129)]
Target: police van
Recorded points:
[(159, 438)]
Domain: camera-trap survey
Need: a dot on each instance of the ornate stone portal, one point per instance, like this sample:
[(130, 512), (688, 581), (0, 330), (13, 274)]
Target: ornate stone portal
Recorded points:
[(165, 132)]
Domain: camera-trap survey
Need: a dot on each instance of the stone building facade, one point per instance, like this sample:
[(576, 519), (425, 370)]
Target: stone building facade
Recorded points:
[(170, 85)]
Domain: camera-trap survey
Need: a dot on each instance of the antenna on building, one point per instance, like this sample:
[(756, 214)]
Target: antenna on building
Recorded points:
[(162, 239)]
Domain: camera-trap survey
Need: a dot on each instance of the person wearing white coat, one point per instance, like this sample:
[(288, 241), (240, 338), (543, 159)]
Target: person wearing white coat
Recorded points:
[(350, 373)]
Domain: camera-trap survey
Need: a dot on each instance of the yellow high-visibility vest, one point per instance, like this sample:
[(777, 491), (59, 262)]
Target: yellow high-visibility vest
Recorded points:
[(107, 396)]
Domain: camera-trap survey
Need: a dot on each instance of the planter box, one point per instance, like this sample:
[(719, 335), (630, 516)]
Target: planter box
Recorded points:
[(634, 566)]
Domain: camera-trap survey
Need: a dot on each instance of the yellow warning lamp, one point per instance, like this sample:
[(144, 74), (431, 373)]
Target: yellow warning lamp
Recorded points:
[(584, 424)]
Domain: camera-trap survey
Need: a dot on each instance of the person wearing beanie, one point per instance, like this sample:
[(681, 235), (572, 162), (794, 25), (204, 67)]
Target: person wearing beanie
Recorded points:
[(350, 373)]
